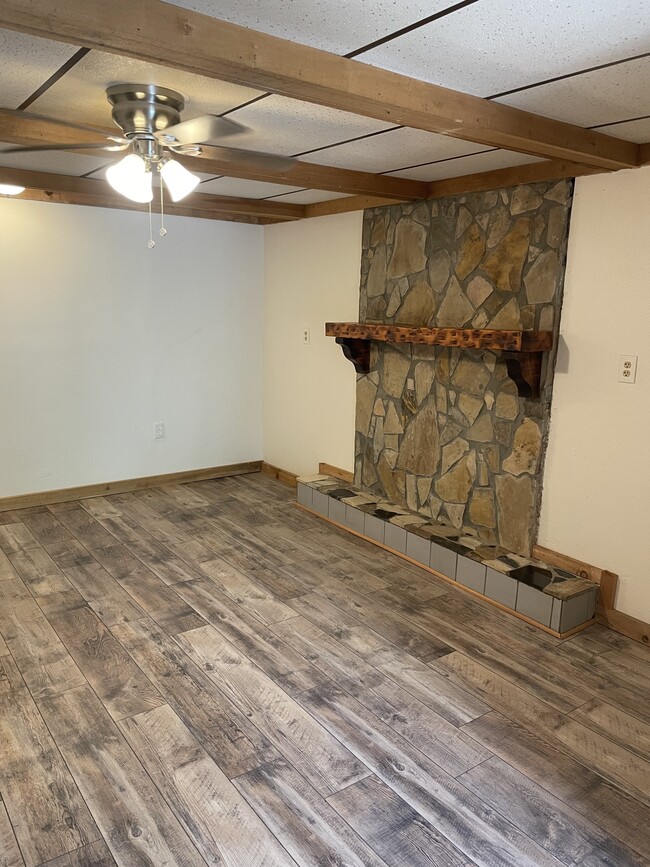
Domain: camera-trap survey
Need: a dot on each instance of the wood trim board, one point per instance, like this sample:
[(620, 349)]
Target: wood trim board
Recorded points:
[(284, 476), (81, 492), (337, 472), (179, 38)]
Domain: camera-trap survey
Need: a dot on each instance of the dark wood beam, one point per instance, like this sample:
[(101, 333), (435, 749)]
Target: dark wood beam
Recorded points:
[(45, 186), (171, 36), (21, 129)]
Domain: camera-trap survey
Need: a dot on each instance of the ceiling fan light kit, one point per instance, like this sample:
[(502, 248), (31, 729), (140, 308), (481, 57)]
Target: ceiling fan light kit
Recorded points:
[(11, 190)]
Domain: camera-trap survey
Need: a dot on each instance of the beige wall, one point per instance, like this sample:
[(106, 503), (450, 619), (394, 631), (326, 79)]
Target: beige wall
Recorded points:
[(312, 276), (100, 337), (597, 478)]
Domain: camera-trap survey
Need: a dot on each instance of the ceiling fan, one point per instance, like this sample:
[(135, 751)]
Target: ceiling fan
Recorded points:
[(150, 119)]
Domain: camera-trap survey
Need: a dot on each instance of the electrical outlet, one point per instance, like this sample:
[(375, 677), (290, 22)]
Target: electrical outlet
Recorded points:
[(158, 430), (306, 336), (627, 368)]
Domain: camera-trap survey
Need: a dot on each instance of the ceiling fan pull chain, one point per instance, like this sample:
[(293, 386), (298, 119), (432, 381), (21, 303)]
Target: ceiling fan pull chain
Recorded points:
[(163, 230), (151, 243)]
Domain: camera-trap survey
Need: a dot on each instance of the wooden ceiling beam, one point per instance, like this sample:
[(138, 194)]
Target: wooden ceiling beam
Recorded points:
[(85, 191), (175, 37), (16, 128)]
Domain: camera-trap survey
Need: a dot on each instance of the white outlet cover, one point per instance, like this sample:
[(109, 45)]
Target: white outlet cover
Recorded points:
[(627, 368)]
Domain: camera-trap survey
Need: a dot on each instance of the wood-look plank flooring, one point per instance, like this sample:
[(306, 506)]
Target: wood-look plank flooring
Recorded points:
[(204, 674)]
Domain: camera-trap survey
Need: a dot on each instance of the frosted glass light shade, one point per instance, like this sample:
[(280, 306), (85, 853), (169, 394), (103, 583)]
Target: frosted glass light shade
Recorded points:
[(11, 190), (131, 178), (178, 180)]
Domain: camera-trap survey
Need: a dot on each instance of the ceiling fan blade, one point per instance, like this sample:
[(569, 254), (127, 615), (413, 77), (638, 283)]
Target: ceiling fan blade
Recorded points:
[(200, 130), (67, 123), (104, 146), (272, 162)]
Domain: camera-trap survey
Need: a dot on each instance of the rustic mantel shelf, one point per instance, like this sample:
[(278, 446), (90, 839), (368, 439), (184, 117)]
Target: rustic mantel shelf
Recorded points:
[(521, 350)]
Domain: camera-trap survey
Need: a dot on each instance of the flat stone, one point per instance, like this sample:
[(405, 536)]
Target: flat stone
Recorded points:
[(508, 406), (463, 220), (471, 251), (396, 368), (378, 408), (524, 199), (516, 512), (480, 320), (481, 431), (418, 306), (498, 225), (492, 458), (505, 263), (439, 270), (449, 432), (424, 377), (454, 486), (541, 279), (478, 290), (569, 588), (482, 476), (555, 230), (547, 318), (392, 424), (452, 453), (390, 455), (366, 393), (420, 450), (408, 253), (412, 492), (489, 399), (378, 230), (421, 214), (508, 318), (526, 449), (456, 513), (559, 192), (393, 302), (470, 406), (471, 376), (455, 310), (391, 441), (378, 438), (481, 508), (376, 283), (424, 489), (386, 478)]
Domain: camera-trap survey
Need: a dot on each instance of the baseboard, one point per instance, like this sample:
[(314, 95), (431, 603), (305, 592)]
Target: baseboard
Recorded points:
[(63, 495), (608, 581), (283, 476), (627, 625), (329, 470)]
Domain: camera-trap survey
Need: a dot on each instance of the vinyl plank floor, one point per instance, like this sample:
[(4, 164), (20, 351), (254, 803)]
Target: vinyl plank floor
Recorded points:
[(205, 674)]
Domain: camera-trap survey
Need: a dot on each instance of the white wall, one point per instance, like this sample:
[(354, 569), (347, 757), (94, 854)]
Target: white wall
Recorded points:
[(101, 337), (311, 277), (597, 478)]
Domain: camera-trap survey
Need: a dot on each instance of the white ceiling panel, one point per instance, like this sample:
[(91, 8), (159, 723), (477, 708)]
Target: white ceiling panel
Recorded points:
[(333, 25), (59, 163), (484, 162), (25, 63), (244, 188), (307, 197), (496, 45), (603, 96), (394, 150), (80, 94), (633, 130), (287, 126)]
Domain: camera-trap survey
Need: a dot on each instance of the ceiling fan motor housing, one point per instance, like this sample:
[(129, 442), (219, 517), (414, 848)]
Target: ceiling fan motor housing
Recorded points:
[(144, 109)]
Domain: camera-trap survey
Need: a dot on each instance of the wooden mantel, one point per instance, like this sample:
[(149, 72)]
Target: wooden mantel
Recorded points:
[(521, 350)]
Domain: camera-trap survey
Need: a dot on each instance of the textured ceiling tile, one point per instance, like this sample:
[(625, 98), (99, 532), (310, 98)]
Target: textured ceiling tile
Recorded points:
[(333, 25), (394, 150), (604, 96), (61, 163), (244, 188), (483, 162), (490, 47), (25, 63), (80, 94), (307, 197), (633, 130), (287, 126)]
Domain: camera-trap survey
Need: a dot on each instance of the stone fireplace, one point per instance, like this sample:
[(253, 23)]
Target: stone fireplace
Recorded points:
[(443, 431)]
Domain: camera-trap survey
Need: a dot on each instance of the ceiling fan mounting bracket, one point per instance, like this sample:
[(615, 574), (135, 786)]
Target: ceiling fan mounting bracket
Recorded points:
[(144, 109)]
